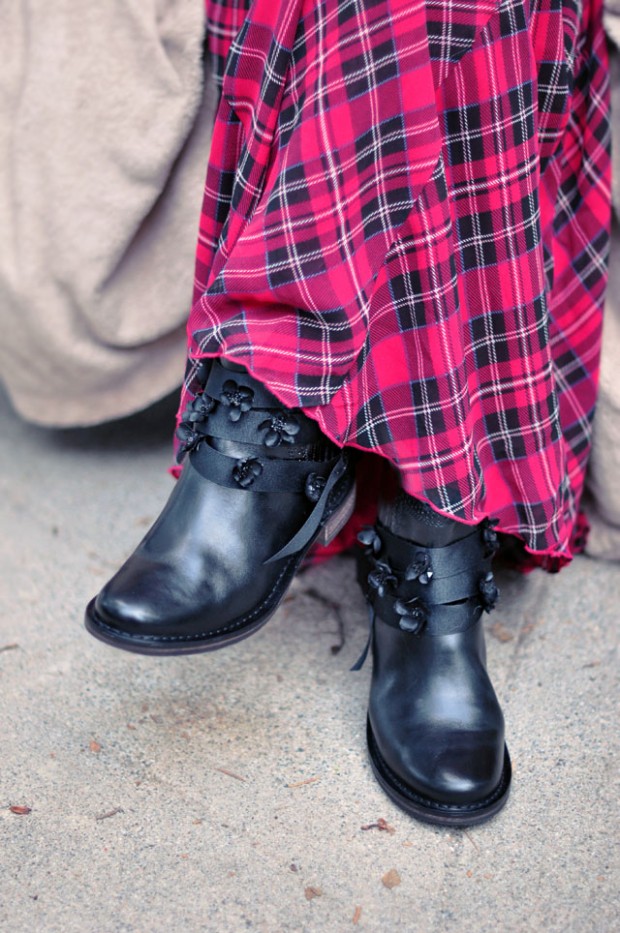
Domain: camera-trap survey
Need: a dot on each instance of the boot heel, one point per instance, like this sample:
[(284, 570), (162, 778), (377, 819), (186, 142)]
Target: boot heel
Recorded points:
[(336, 522)]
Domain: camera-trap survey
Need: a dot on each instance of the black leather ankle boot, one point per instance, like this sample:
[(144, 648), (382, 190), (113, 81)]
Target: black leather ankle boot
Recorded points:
[(435, 727), (260, 484)]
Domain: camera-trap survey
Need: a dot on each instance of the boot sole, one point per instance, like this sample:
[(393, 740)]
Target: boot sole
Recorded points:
[(432, 811), (166, 646)]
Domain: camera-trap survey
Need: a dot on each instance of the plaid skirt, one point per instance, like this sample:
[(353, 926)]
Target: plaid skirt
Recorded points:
[(405, 231)]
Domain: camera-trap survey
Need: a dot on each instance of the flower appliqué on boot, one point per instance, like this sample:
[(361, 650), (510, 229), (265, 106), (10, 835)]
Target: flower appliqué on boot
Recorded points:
[(489, 536), (413, 614), (488, 591), (238, 398), (420, 568), (382, 578), (189, 438), (280, 428), (198, 410), (371, 541), (246, 471), (191, 430)]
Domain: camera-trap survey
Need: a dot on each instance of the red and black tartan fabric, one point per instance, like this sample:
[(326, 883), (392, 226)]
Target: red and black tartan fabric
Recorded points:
[(405, 232)]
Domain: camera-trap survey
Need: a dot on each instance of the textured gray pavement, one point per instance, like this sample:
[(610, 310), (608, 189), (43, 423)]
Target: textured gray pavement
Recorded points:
[(228, 791)]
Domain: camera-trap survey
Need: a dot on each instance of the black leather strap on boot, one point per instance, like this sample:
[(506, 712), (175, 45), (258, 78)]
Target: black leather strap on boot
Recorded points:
[(283, 451), (435, 728), (260, 484), (400, 574)]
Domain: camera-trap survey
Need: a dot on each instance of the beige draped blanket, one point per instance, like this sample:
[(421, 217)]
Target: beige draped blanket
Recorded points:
[(104, 139)]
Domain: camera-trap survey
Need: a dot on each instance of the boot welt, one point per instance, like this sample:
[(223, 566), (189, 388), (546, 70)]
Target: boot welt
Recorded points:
[(433, 811), (167, 646)]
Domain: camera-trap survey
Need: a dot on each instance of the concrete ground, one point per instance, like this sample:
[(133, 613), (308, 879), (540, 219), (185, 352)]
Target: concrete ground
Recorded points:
[(231, 791)]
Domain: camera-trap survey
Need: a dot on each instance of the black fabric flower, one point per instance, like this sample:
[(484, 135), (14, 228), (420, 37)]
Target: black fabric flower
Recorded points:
[(190, 439), (315, 484), (199, 409), (281, 428), (488, 591), (370, 539), (238, 398), (413, 614), (382, 578), (489, 537), (246, 471), (420, 568)]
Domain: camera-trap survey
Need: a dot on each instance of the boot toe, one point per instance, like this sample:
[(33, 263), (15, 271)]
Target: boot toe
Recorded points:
[(141, 597), (456, 768), (463, 772), (123, 611)]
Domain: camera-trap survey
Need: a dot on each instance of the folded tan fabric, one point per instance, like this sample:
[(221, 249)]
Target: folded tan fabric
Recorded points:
[(104, 138)]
